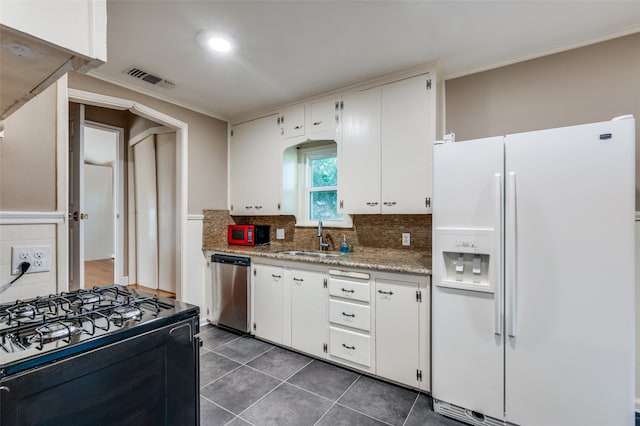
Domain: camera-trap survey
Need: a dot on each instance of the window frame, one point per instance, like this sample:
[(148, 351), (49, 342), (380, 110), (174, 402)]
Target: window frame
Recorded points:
[(305, 179)]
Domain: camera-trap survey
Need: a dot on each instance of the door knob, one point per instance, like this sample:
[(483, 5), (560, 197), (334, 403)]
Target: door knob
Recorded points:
[(76, 216)]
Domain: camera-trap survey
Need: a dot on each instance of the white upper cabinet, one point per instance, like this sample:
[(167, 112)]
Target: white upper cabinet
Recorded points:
[(406, 146), (291, 121), (323, 116), (316, 120), (387, 136), (41, 43), (255, 171), (360, 174)]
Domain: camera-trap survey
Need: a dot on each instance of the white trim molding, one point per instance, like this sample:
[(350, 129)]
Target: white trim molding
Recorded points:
[(182, 151), (195, 217), (31, 218)]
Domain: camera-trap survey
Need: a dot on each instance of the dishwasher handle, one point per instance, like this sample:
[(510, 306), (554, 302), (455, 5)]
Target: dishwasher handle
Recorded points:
[(233, 260)]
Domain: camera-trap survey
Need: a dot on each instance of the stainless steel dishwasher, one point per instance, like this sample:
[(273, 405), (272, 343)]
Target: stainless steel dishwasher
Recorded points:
[(231, 291)]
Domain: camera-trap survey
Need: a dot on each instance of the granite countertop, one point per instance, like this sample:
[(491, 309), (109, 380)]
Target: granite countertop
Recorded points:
[(390, 260)]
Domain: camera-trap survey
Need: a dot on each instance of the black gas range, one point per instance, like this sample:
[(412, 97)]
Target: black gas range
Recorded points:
[(115, 347)]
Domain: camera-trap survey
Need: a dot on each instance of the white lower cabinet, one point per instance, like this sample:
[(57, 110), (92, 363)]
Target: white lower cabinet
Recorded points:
[(268, 302), (373, 321), (350, 345), (350, 331), (402, 329), (309, 325)]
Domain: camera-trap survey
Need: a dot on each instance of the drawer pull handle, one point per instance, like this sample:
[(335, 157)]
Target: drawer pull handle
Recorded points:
[(276, 276), (298, 279), (385, 292), (352, 348), (347, 291), (349, 315)]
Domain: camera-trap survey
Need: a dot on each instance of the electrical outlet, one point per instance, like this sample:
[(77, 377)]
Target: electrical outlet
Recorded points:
[(406, 239), (280, 234), (37, 256)]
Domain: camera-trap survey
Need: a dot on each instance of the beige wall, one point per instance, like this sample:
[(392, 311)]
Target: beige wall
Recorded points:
[(589, 84), (207, 161), (28, 156)]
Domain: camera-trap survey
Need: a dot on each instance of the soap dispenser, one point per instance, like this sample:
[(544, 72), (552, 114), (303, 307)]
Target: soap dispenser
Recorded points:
[(344, 247)]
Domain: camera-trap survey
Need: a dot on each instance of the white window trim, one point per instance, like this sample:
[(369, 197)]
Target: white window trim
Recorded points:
[(304, 155)]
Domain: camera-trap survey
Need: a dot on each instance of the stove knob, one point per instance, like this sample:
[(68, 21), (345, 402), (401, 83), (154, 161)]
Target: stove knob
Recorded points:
[(4, 388)]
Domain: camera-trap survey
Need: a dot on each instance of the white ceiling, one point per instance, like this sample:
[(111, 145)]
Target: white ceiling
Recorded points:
[(291, 50)]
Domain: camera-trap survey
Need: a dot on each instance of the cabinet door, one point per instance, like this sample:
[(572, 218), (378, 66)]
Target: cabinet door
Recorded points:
[(322, 116), (267, 167), (255, 168), (359, 185), (397, 331), (268, 302), (406, 146), (240, 171), (309, 319), (292, 121)]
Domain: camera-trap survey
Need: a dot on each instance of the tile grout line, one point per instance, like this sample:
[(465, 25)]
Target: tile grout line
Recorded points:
[(415, 401), (338, 398)]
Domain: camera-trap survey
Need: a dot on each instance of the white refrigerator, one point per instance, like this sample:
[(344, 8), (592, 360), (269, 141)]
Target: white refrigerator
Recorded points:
[(533, 272)]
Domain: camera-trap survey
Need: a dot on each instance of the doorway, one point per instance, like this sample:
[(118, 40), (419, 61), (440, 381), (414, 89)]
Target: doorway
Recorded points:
[(96, 187), (179, 159)]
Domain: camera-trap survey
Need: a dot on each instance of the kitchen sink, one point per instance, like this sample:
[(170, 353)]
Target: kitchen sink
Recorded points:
[(308, 253)]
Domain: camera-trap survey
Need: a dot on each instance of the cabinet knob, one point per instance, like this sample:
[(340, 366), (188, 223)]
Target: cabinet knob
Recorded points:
[(276, 276), (349, 315), (372, 203), (298, 127), (348, 290), (385, 292), (351, 348), (317, 123), (258, 207), (298, 279), (248, 207)]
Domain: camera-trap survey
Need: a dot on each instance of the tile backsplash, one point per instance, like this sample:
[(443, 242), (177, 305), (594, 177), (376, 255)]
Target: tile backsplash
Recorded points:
[(374, 231)]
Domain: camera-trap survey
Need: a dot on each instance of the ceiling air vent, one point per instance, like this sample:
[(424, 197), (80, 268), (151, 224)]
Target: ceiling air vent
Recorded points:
[(149, 78)]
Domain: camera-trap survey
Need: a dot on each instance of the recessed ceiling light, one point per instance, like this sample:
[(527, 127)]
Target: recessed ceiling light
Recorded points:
[(217, 42)]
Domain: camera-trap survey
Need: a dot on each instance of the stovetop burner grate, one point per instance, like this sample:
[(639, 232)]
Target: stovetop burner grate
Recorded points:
[(56, 318)]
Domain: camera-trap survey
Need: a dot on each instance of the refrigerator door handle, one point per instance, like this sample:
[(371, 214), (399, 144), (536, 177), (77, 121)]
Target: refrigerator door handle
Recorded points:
[(511, 255), (499, 304)]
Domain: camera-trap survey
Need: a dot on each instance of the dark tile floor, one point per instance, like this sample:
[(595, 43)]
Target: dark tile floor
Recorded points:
[(245, 381)]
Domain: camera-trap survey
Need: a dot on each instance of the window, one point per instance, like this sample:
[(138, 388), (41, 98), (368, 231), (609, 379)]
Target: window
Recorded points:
[(319, 187)]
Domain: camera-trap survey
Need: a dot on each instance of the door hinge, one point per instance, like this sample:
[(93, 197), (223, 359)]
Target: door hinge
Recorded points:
[(418, 296), (429, 84), (231, 207), (427, 202), (325, 283), (341, 204), (419, 375), (337, 106), (232, 133), (254, 326), (325, 348), (278, 206), (254, 272), (341, 104)]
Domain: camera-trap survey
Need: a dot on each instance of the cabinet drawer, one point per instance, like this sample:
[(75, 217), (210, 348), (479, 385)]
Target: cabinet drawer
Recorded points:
[(349, 314), (349, 289), (350, 346)]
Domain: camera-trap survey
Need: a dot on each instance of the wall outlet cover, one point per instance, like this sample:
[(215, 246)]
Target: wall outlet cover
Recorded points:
[(406, 239), (280, 234), (37, 256)]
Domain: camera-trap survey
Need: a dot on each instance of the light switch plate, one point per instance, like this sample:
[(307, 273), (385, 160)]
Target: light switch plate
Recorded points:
[(280, 234), (406, 239)]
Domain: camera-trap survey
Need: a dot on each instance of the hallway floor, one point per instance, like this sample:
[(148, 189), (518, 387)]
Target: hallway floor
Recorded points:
[(245, 381)]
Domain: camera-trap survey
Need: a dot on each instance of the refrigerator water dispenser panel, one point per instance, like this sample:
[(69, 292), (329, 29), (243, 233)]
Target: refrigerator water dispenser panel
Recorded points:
[(467, 258), (466, 268)]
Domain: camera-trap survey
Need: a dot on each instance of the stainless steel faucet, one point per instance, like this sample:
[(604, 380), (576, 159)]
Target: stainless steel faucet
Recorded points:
[(321, 245)]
